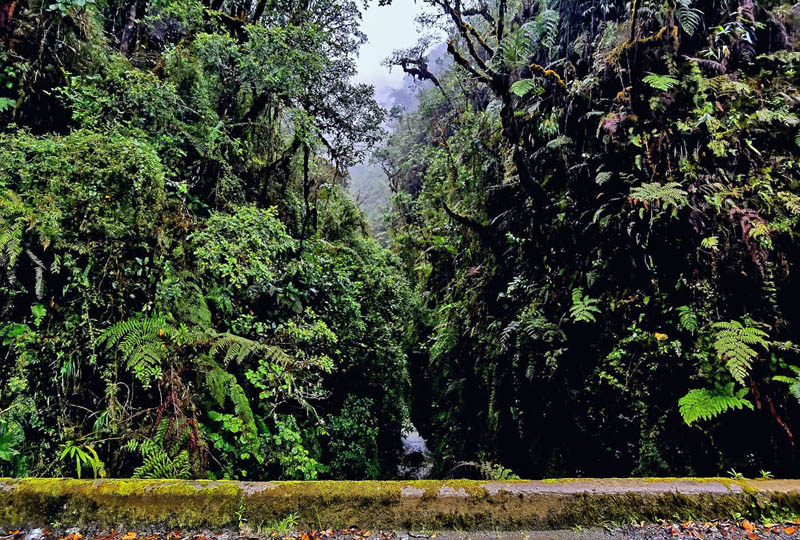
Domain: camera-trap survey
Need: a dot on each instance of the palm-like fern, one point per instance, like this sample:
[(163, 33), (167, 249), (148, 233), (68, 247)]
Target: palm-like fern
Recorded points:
[(224, 385), (689, 18), (11, 243), (522, 87), (701, 404), (162, 460), (239, 349), (142, 342), (669, 194), (660, 82), (583, 308), (735, 345), (543, 30), (687, 318), (793, 382), (532, 38)]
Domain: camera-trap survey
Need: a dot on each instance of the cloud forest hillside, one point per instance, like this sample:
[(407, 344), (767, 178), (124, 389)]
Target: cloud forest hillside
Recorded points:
[(592, 245), (599, 207), (186, 289)]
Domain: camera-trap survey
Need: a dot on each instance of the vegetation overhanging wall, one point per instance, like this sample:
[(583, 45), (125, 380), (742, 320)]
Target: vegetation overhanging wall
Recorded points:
[(459, 504)]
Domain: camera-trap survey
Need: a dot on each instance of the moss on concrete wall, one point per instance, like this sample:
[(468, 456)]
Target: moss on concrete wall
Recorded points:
[(452, 504)]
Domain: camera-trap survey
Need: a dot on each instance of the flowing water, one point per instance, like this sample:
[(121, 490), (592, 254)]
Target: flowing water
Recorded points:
[(415, 464)]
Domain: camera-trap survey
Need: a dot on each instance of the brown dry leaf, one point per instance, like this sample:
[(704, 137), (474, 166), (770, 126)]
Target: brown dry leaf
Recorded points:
[(746, 525), (752, 536)]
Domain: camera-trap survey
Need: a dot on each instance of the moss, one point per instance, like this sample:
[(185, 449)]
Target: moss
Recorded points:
[(457, 504)]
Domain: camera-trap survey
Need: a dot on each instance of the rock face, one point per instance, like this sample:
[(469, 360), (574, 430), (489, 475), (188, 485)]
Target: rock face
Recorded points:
[(452, 504)]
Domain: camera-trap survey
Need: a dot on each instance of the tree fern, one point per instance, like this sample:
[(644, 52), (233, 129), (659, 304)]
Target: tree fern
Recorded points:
[(689, 18), (536, 37), (157, 462), (543, 30), (666, 195), (514, 50), (235, 348), (141, 342), (583, 308), (793, 382), (660, 82), (735, 345), (165, 454), (522, 87), (11, 243), (706, 404), (224, 385), (688, 319)]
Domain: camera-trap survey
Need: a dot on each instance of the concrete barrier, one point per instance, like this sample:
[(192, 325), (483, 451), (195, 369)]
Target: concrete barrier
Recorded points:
[(431, 504)]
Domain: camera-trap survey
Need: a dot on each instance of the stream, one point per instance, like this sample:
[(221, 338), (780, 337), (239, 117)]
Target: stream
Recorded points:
[(415, 464)]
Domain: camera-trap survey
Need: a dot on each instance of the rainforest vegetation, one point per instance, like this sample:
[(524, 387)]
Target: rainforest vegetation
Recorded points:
[(589, 266)]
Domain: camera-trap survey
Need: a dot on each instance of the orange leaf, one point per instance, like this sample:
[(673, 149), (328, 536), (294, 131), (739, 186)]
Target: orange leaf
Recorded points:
[(752, 536), (746, 525), (789, 530), (129, 536)]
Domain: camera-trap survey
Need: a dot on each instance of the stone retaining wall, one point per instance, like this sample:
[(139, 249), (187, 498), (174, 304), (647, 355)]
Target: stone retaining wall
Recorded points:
[(431, 504)]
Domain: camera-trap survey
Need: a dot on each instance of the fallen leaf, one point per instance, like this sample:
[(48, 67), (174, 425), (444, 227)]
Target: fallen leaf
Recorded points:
[(789, 530), (752, 536), (746, 525), (130, 535)]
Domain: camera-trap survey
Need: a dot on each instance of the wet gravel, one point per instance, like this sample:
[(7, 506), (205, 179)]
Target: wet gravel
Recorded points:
[(727, 530)]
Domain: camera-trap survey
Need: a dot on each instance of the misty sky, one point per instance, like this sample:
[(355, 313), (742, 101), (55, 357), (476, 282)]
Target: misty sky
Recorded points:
[(387, 28)]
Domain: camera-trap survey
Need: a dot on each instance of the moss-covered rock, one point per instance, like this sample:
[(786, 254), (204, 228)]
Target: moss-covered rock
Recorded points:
[(461, 504)]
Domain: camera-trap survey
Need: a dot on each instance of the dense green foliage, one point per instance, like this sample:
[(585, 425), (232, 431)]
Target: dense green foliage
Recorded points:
[(599, 205), (187, 291)]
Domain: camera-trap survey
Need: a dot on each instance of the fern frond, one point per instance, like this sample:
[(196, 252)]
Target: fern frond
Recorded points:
[(734, 344), (669, 194), (688, 319), (141, 343), (701, 404), (224, 385), (583, 308), (236, 348), (793, 382), (660, 82), (689, 18), (522, 87)]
